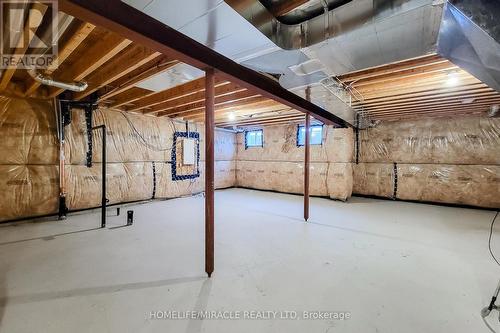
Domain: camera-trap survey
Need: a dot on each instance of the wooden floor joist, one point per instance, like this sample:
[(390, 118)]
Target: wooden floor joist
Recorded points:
[(114, 65), (97, 55)]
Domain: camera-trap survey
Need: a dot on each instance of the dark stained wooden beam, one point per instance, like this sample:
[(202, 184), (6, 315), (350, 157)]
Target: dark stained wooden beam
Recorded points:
[(116, 16), (307, 159), (209, 170)]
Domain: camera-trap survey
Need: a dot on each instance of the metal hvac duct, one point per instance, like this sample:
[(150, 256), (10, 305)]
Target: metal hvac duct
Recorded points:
[(76, 86), (366, 33), (307, 48)]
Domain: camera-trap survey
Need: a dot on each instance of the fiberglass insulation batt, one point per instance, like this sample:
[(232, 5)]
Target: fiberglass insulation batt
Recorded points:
[(446, 160), (29, 176), (139, 156), (279, 165), (139, 159)]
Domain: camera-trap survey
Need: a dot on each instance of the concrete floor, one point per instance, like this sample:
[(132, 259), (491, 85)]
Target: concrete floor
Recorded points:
[(394, 266)]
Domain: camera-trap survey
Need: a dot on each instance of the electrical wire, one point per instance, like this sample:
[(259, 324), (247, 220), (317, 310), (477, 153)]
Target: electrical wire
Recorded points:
[(484, 315), (488, 325), (489, 239)]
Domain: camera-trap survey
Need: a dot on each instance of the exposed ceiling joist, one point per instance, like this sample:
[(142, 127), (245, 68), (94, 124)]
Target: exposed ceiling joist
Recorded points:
[(122, 64), (197, 100), (115, 15), (78, 33), (144, 72), (179, 91), (97, 55)]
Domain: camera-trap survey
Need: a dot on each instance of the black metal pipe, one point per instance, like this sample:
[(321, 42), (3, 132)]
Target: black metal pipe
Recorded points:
[(103, 180)]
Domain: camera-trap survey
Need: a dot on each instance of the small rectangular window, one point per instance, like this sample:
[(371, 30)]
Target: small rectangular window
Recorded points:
[(254, 139), (316, 135)]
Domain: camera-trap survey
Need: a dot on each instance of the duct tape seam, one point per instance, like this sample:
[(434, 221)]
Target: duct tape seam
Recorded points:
[(395, 192), (154, 180), (88, 123)]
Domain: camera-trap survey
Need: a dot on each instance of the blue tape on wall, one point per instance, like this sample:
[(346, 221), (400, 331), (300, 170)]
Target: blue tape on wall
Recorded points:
[(192, 135)]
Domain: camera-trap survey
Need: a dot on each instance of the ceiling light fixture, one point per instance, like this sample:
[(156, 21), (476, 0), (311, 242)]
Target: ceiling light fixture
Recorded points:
[(231, 116), (452, 79)]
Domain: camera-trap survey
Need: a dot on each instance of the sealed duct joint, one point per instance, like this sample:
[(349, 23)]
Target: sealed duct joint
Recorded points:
[(76, 86)]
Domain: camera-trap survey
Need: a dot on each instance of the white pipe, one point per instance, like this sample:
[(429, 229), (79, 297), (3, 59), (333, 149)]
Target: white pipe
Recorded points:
[(76, 86)]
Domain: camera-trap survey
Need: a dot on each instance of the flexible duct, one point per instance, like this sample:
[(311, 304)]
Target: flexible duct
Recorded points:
[(76, 86)]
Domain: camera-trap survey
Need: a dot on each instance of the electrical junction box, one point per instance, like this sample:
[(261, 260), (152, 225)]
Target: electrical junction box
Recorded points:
[(188, 151)]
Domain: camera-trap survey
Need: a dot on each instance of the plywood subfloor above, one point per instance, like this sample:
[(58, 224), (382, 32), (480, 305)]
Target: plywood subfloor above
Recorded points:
[(425, 87), (113, 67)]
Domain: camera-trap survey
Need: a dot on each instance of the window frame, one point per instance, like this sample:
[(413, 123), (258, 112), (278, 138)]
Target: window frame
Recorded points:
[(254, 146), (310, 143)]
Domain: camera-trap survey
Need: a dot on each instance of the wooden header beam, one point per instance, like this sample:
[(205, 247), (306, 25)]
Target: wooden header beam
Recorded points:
[(125, 20)]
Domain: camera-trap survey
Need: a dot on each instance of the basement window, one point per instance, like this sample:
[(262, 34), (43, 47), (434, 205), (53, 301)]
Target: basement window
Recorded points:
[(316, 135), (254, 139)]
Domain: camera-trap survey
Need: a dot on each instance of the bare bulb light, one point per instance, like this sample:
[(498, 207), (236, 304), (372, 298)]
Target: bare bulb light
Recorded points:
[(231, 116), (452, 80)]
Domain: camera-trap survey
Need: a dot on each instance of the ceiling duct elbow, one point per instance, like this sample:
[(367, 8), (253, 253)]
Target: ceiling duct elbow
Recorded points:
[(39, 77)]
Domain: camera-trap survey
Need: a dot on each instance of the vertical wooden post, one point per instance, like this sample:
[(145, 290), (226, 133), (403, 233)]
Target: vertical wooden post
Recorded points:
[(307, 158), (209, 170)]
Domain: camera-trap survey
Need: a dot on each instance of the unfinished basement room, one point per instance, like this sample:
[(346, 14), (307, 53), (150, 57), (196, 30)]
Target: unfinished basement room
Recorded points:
[(258, 166)]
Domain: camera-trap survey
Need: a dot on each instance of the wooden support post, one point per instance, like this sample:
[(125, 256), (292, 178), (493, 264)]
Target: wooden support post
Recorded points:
[(209, 170), (307, 158)]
